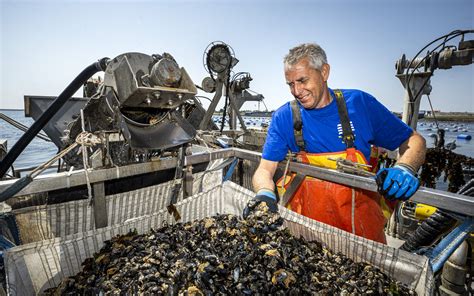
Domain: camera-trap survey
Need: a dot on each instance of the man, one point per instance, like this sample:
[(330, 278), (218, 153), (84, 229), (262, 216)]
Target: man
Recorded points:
[(323, 123)]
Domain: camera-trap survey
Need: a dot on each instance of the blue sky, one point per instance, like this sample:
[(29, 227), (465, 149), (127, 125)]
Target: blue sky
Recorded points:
[(45, 44)]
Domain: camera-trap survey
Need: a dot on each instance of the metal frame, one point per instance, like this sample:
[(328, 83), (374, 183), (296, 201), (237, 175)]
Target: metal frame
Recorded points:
[(457, 203), (453, 202), (446, 247), (77, 178)]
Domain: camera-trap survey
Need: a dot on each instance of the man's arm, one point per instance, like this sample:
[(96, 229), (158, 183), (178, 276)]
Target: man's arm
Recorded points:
[(264, 187), (263, 177), (400, 181), (413, 151)]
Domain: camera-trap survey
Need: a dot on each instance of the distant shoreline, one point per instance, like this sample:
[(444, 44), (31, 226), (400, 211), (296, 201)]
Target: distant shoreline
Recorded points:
[(443, 116), (460, 119), (447, 116)]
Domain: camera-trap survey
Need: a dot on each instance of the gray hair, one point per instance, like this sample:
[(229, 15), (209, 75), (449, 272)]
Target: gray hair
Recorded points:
[(312, 51)]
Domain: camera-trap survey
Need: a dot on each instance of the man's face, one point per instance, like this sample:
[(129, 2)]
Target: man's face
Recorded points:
[(307, 84)]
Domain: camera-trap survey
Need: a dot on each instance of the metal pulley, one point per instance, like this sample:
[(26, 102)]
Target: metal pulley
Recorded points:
[(208, 85), (219, 57)]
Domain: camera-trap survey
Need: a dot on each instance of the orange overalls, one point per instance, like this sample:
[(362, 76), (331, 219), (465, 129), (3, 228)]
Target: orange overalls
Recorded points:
[(351, 209)]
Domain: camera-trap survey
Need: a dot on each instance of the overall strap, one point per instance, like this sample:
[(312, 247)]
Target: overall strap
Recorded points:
[(297, 124), (347, 134)]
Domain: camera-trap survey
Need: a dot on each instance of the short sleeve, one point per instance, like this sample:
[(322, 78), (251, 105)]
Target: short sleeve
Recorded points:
[(276, 147), (388, 130)]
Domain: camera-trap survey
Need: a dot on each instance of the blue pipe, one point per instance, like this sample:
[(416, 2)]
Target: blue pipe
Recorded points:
[(230, 171), (440, 254)]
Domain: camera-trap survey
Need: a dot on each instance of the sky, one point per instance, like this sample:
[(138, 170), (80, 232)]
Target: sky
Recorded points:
[(46, 44)]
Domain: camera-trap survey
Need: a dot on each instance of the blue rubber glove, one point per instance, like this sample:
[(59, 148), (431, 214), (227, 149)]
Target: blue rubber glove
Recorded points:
[(399, 182), (263, 195)]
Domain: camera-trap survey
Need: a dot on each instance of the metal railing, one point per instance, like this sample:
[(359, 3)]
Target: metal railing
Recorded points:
[(457, 203)]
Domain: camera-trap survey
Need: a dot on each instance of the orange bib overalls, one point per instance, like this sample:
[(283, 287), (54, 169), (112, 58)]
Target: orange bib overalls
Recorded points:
[(351, 209)]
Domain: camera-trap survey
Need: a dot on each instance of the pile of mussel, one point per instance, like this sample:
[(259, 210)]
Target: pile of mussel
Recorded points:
[(441, 160), (224, 255)]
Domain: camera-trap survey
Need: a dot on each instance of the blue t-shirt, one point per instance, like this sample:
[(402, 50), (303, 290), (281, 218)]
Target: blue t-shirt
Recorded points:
[(371, 123)]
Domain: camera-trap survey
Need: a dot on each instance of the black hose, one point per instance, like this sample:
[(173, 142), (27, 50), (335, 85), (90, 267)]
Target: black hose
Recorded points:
[(466, 187), (224, 112), (15, 188), (428, 231), (434, 226), (36, 127)]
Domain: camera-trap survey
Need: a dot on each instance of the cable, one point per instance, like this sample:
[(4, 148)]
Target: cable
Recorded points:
[(224, 112), (55, 106), (266, 108), (24, 181), (432, 112), (227, 89), (238, 74), (412, 101), (249, 90), (85, 156), (202, 97), (23, 127), (409, 76), (455, 34)]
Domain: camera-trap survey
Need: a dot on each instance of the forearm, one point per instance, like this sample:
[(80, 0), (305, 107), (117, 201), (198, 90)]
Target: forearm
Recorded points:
[(413, 151), (263, 177), (263, 185)]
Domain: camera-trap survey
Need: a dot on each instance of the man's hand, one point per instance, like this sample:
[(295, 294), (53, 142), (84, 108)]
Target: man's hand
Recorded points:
[(398, 182), (263, 195)]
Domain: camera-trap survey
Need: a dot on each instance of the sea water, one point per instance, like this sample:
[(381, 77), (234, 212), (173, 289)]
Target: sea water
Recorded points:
[(39, 151)]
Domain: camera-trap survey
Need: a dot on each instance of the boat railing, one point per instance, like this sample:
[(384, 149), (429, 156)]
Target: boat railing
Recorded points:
[(456, 203)]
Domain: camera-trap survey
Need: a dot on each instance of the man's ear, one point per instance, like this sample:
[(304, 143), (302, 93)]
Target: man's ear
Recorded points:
[(325, 70)]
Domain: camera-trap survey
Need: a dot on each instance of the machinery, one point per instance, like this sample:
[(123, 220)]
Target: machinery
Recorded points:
[(141, 99), (419, 224), (144, 109), (145, 106), (219, 59), (415, 74)]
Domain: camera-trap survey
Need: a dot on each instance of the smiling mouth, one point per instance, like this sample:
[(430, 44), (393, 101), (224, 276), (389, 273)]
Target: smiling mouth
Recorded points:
[(303, 98)]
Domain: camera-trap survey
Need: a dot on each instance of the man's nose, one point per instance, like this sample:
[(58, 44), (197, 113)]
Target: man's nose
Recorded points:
[(297, 90)]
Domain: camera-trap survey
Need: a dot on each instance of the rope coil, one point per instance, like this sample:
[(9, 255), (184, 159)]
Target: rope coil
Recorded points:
[(87, 139)]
